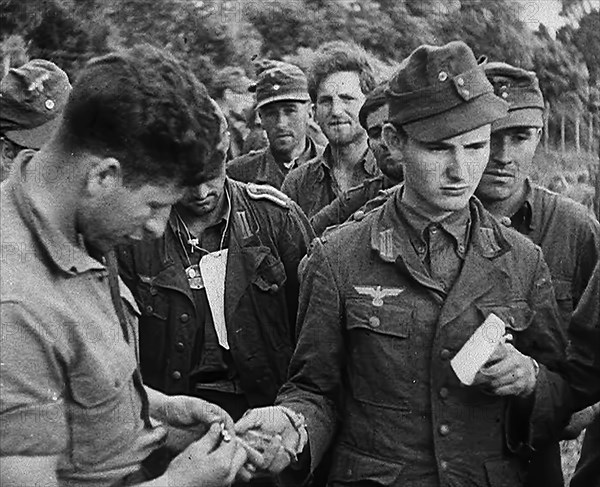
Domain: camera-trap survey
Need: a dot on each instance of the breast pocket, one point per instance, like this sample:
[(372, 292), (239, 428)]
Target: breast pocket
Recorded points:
[(380, 352), (270, 274), (516, 315)]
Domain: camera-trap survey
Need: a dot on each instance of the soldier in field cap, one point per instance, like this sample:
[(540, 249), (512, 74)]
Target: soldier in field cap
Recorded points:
[(32, 99), (387, 302), (283, 104), (567, 233)]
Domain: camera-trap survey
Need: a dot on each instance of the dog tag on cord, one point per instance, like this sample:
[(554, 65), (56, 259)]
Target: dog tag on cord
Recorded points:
[(213, 267), (478, 349)]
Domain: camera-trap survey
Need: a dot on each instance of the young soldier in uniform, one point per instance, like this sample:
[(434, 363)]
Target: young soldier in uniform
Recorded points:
[(219, 292), (567, 233), (387, 302), (74, 411), (284, 107)]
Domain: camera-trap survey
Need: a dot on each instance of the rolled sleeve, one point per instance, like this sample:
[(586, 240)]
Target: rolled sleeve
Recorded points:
[(32, 410)]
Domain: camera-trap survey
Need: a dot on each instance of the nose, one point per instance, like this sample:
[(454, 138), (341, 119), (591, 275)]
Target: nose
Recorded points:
[(156, 224), (336, 106), (458, 169), (499, 150)]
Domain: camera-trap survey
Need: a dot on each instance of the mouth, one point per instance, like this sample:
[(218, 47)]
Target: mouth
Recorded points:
[(338, 124), (455, 190), (497, 173)]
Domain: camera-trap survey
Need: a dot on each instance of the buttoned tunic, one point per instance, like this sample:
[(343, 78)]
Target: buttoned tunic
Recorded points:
[(373, 357)]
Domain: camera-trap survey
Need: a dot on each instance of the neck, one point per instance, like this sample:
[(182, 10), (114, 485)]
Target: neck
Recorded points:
[(53, 181), (349, 155), (198, 223), (296, 152), (506, 207), (412, 200)]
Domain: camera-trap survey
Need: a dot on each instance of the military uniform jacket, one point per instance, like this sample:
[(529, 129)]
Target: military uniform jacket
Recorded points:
[(570, 239), (261, 167), (373, 357), (268, 237)]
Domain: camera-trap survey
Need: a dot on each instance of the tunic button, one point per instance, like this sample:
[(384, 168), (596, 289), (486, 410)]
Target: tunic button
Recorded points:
[(506, 221), (149, 309), (374, 321), (445, 354), (153, 291), (359, 215), (179, 346), (274, 288), (443, 392), (176, 375), (444, 429), (184, 317), (444, 465), (460, 82)]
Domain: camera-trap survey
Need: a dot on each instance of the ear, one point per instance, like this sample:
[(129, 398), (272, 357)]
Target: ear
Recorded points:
[(105, 175), (394, 140), (539, 135)]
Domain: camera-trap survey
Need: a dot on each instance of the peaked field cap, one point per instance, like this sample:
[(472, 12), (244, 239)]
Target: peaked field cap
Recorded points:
[(521, 89), (279, 81), (32, 99), (440, 92), (374, 100)]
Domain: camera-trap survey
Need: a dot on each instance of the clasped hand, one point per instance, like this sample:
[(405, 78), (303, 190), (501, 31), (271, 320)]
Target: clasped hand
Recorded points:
[(507, 373), (269, 432)]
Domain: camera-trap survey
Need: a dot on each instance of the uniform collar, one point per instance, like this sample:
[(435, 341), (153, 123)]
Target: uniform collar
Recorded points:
[(225, 215), (456, 224), (64, 255), (390, 237), (368, 162), (310, 152), (526, 218)]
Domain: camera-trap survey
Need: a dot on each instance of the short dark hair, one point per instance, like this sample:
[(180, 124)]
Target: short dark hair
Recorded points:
[(146, 109), (335, 56)]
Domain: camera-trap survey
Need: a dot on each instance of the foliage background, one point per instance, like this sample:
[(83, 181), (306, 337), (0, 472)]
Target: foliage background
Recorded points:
[(211, 34)]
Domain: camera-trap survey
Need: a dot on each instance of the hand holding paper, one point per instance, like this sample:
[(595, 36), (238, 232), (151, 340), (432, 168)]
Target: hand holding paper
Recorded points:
[(478, 349), (486, 360)]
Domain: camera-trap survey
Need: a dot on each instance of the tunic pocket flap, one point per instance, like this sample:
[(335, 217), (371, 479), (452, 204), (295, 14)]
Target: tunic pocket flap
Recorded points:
[(517, 315), (351, 466), (388, 319)]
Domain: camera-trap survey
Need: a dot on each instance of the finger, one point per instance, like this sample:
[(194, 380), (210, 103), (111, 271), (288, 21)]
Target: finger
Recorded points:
[(237, 462), (251, 420), (245, 474), (209, 441), (507, 390)]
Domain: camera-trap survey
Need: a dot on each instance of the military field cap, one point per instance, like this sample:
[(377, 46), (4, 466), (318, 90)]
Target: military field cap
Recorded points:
[(521, 89), (32, 99), (233, 78), (374, 100), (279, 81), (440, 92)]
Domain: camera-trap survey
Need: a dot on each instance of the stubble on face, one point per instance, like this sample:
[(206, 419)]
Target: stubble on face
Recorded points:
[(339, 99)]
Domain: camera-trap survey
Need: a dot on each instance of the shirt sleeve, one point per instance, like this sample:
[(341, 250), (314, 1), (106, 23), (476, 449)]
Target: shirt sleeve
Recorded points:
[(317, 363), (32, 409)]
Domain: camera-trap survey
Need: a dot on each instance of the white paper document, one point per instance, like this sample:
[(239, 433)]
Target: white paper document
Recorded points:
[(213, 267), (478, 349)]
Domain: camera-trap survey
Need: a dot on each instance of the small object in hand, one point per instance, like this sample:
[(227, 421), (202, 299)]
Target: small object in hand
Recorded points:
[(225, 435)]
